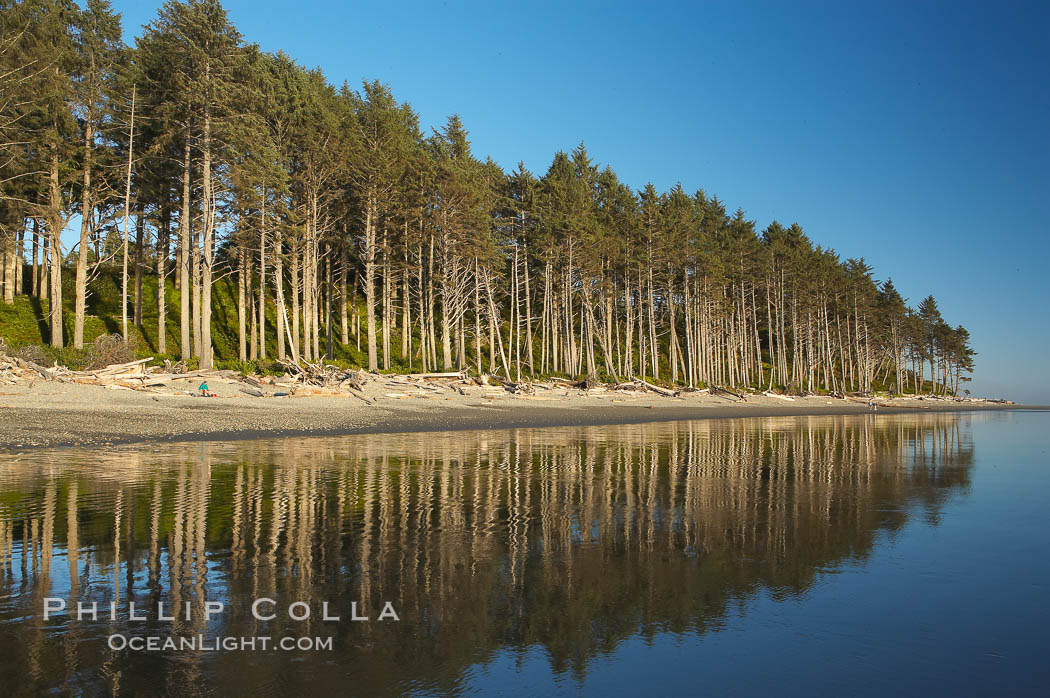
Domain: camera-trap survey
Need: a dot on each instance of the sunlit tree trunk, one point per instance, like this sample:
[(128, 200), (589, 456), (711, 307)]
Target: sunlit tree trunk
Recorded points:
[(127, 213), (86, 207), (261, 312), (294, 288), (140, 234), (163, 240), (344, 325), (242, 342), (55, 241), (278, 285), (185, 235), (369, 254)]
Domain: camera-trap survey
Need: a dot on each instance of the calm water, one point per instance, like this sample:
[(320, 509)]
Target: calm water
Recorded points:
[(860, 555)]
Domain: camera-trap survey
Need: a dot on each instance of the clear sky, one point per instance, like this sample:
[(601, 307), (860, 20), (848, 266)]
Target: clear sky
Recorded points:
[(914, 134)]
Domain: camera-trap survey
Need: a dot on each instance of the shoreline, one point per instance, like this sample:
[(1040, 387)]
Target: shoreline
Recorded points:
[(55, 415)]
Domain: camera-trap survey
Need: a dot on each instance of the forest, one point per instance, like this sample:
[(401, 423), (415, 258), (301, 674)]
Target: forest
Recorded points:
[(193, 166)]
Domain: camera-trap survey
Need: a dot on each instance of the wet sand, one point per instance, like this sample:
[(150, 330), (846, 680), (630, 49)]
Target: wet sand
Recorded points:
[(55, 414)]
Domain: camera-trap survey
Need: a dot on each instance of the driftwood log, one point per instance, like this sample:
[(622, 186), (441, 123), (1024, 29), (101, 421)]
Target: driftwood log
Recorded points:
[(432, 376), (657, 389), (727, 391), (641, 384)]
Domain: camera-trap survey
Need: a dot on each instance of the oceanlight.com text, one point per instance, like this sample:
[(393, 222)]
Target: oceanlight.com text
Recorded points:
[(200, 643)]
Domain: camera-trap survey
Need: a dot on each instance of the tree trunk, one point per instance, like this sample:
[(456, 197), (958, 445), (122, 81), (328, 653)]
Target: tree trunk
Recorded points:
[(328, 304), (184, 255), (140, 233), (209, 238), (406, 312), (261, 312), (446, 311), (86, 206), (370, 281), (278, 285), (55, 237), (528, 315), (477, 318), (495, 325), (253, 318), (303, 266), (242, 342), (295, 298), (386, 300), (431, 331), (35, 281), (127, 214), (282, 311), (20, 252), (416, 278), (7, 269), (315, 288), (162, 260), (343, 321)]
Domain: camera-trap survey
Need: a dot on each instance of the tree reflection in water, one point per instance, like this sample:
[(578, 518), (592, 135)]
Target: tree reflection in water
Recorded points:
[(568, 539)]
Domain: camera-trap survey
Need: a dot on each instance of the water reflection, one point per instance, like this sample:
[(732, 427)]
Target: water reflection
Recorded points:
[(566, 539)]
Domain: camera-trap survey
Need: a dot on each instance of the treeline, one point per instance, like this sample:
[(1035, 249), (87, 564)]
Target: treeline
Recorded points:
[(195, 156)]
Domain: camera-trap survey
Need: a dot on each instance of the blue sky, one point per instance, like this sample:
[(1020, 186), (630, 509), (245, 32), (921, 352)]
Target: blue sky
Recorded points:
[(915, 134)]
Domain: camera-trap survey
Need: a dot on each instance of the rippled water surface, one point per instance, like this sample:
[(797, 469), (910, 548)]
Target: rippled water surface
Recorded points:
[(843, 555)]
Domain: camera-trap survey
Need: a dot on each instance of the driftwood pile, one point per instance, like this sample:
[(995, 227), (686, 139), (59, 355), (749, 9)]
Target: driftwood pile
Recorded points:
[(14, 370), (641, 385), (301, 379), (304, 379), (133, 375), (326, 380), (591, 385)]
